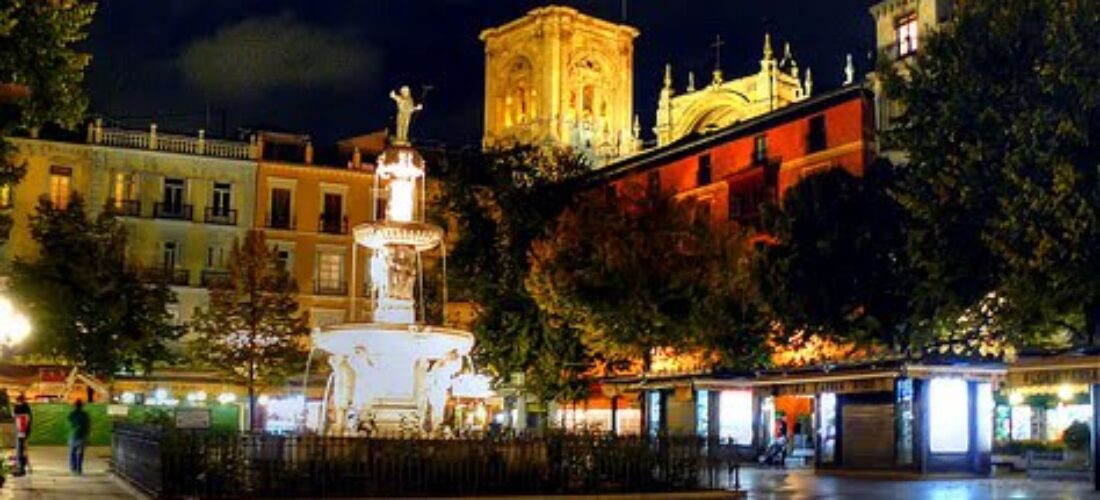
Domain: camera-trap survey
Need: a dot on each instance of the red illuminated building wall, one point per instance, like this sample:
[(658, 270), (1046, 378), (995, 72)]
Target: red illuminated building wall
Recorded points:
[(735, 169)]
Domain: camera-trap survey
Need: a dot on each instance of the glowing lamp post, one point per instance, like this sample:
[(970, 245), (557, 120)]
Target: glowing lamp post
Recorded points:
[(14, 326)]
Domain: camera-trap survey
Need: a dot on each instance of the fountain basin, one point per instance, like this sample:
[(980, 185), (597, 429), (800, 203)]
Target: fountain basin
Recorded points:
[(391, 377), (424, 342)]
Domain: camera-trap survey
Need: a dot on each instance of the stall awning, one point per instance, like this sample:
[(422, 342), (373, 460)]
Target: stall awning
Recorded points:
[(1055, 371)]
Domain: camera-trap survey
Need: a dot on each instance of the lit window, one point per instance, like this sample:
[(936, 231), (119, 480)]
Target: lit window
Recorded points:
[(60, 185), (908, 37), (5, 196), (735, 417), (330, 272), (223, 198), (125, 188), (170, 256), (949, 415), (760, 148)]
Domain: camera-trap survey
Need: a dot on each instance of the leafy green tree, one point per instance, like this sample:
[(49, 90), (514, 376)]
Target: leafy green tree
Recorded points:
[(43, 72), (1000, 126), (635, 273), (501, 202), (835, 263), (253, 326), (88, 306), (38, 50)]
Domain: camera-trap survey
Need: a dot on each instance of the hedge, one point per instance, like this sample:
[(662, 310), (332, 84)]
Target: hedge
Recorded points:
[(51, 426)]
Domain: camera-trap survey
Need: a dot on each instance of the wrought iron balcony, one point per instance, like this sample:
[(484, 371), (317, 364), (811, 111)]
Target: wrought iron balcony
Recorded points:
[(333, 224), (281, 221), (173, 211), (124, 208), (334, 289), (169, 276), (221, 216), (214, 277)]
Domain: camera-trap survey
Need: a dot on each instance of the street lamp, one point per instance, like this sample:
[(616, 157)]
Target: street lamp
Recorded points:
[(14, 326)]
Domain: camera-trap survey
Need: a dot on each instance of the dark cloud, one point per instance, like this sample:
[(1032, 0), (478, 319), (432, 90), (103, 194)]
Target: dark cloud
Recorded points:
[(247, 60)]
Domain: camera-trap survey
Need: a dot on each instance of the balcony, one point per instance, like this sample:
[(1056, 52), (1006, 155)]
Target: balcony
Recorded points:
[(221, 216), (214, 277), (173, 211), (332, 289), (124, 208), (281, 221), (171, 277), (332, 224)]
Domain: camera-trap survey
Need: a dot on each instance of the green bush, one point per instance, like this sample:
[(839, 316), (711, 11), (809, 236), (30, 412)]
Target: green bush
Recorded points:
[(1022, 447), (1077, 436)]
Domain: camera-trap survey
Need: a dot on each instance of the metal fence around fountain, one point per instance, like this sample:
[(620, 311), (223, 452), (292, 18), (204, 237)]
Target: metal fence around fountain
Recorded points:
[(175, 464)]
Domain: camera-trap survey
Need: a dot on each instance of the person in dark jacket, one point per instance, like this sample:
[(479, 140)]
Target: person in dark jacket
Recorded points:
[(80, 425), (23, 419)]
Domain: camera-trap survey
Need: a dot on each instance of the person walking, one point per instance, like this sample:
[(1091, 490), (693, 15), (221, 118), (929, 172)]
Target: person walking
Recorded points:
[(79, 427), (23, 419)]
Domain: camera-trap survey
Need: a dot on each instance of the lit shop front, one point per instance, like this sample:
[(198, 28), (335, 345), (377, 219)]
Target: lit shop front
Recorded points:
[(1043, 396), (938, 418)]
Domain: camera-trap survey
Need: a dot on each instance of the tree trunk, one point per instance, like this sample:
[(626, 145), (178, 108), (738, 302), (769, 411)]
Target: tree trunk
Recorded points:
[(252, 396), (1092, 322)]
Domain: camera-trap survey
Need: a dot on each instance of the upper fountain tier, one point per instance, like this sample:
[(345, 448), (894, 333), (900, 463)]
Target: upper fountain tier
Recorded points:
[(401, 176)]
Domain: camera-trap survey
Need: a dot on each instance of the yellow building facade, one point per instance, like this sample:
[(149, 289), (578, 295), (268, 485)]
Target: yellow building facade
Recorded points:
[(307, 212), (184, 199), (556, 76)]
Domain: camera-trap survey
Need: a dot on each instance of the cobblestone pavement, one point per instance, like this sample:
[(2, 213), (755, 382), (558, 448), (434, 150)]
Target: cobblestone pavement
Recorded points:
[(804, 484), (50, 479)]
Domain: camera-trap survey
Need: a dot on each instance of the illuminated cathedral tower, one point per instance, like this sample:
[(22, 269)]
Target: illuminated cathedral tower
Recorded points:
[(558, 77)]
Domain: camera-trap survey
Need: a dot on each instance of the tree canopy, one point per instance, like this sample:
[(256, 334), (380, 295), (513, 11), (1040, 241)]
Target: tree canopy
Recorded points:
[(252, 327), (835, 263), (501, 202), (635, 273), (999, 121), (43, 70), (88, 305)]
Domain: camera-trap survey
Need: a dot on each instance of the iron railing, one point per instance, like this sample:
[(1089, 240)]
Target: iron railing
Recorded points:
[(221, 216), (172, 211), (333, 224), (320, 288), (281, 221), (211, 277), (124, 208), (176, 464), (174, 276)]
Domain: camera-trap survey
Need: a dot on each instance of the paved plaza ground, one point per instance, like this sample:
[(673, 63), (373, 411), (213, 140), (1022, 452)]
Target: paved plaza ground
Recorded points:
[(50, 479)]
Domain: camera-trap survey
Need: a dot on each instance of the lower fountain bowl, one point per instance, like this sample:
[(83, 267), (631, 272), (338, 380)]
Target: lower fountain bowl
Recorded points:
[(388, 339)]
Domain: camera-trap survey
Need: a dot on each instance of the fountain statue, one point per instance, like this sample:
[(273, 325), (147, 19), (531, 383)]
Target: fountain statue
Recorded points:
[(394, 373)]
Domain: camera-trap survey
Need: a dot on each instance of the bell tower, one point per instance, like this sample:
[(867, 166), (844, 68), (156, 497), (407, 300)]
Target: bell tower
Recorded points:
[(558, 77)]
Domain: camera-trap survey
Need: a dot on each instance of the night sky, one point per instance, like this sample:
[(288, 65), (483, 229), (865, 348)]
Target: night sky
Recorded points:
[(324, 67)]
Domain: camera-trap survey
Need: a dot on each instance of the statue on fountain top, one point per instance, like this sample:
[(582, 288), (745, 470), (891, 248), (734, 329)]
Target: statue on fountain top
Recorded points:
[(405, 108)]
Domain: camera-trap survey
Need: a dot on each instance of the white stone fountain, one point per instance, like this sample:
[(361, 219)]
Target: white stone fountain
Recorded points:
[(393, 374)]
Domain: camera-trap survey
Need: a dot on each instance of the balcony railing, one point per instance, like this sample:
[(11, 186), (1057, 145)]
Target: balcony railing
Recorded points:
[(172, 143), (281, 221), (173, 277), (221, 216), (172, 211), (124, 208), (336, 289), (214, 277), (333, 224)]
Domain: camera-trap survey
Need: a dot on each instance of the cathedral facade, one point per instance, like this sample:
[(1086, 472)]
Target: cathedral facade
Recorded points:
[(558, 77), (719, 103)]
